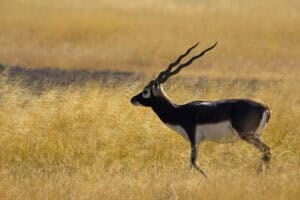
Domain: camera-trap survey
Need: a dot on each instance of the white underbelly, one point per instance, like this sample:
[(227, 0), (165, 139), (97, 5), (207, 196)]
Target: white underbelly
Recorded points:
[(221, 132), (179, 130)]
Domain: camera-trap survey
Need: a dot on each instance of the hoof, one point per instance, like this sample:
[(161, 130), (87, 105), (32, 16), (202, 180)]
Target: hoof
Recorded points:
[(263, 166), (260, 168), (198, 169)]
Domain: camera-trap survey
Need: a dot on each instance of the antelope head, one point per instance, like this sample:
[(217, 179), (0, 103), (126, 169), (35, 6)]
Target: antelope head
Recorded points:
[(153, 91)]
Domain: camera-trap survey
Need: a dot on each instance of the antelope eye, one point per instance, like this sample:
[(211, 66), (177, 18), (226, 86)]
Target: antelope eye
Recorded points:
[(146, 93)]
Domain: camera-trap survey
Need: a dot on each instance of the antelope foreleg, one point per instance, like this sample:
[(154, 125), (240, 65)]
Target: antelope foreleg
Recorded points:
[(194, 152)]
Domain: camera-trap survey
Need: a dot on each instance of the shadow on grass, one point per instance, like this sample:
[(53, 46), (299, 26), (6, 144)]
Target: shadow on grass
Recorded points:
[(45, 78)]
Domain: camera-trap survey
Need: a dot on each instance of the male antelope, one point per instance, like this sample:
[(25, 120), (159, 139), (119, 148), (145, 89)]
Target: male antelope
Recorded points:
[(219, 121)]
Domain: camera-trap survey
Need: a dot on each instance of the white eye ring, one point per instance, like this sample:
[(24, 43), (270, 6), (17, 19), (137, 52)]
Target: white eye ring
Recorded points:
[(146, 93)]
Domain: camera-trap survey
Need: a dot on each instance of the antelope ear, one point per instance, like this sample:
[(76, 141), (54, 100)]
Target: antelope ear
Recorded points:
[(156, 89), (155, 85)]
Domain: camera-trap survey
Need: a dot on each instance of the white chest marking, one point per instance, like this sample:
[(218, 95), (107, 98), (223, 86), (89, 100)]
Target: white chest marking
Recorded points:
[(221, 132), (179, 130)]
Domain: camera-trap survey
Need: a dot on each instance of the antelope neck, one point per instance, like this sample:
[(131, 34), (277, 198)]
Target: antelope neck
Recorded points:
[(164, 108)]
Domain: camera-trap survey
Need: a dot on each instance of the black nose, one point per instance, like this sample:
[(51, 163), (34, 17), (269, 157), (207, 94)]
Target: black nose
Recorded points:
[(134, 101)]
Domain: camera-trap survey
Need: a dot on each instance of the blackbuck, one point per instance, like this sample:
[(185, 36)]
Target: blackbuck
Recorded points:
[(219, 121)]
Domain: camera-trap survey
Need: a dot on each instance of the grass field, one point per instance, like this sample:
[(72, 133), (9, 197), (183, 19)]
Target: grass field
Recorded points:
[(88, 142), (83, 143), (253, 35)]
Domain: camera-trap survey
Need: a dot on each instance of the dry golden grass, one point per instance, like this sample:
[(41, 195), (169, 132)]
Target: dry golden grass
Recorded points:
[(91, 143)]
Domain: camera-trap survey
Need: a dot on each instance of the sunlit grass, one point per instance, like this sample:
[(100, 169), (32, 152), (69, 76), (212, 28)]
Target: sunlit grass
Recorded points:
[(91, 143)]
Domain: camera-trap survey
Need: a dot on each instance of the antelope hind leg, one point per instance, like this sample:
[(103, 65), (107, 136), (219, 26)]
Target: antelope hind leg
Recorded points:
[(264, 149)]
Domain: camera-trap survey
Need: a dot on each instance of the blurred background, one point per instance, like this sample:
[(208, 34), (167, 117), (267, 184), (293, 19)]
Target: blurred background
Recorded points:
[(256, 38)]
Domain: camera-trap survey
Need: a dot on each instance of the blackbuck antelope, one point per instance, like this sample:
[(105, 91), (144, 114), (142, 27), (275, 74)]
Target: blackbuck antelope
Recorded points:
[(219, 121)]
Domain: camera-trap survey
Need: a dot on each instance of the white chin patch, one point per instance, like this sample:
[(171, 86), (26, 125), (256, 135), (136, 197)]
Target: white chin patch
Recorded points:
[(136, 103)]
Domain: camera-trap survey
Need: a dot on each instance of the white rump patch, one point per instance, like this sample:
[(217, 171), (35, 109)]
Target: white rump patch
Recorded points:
[(262, 125), (179, 130), (221, 132)]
